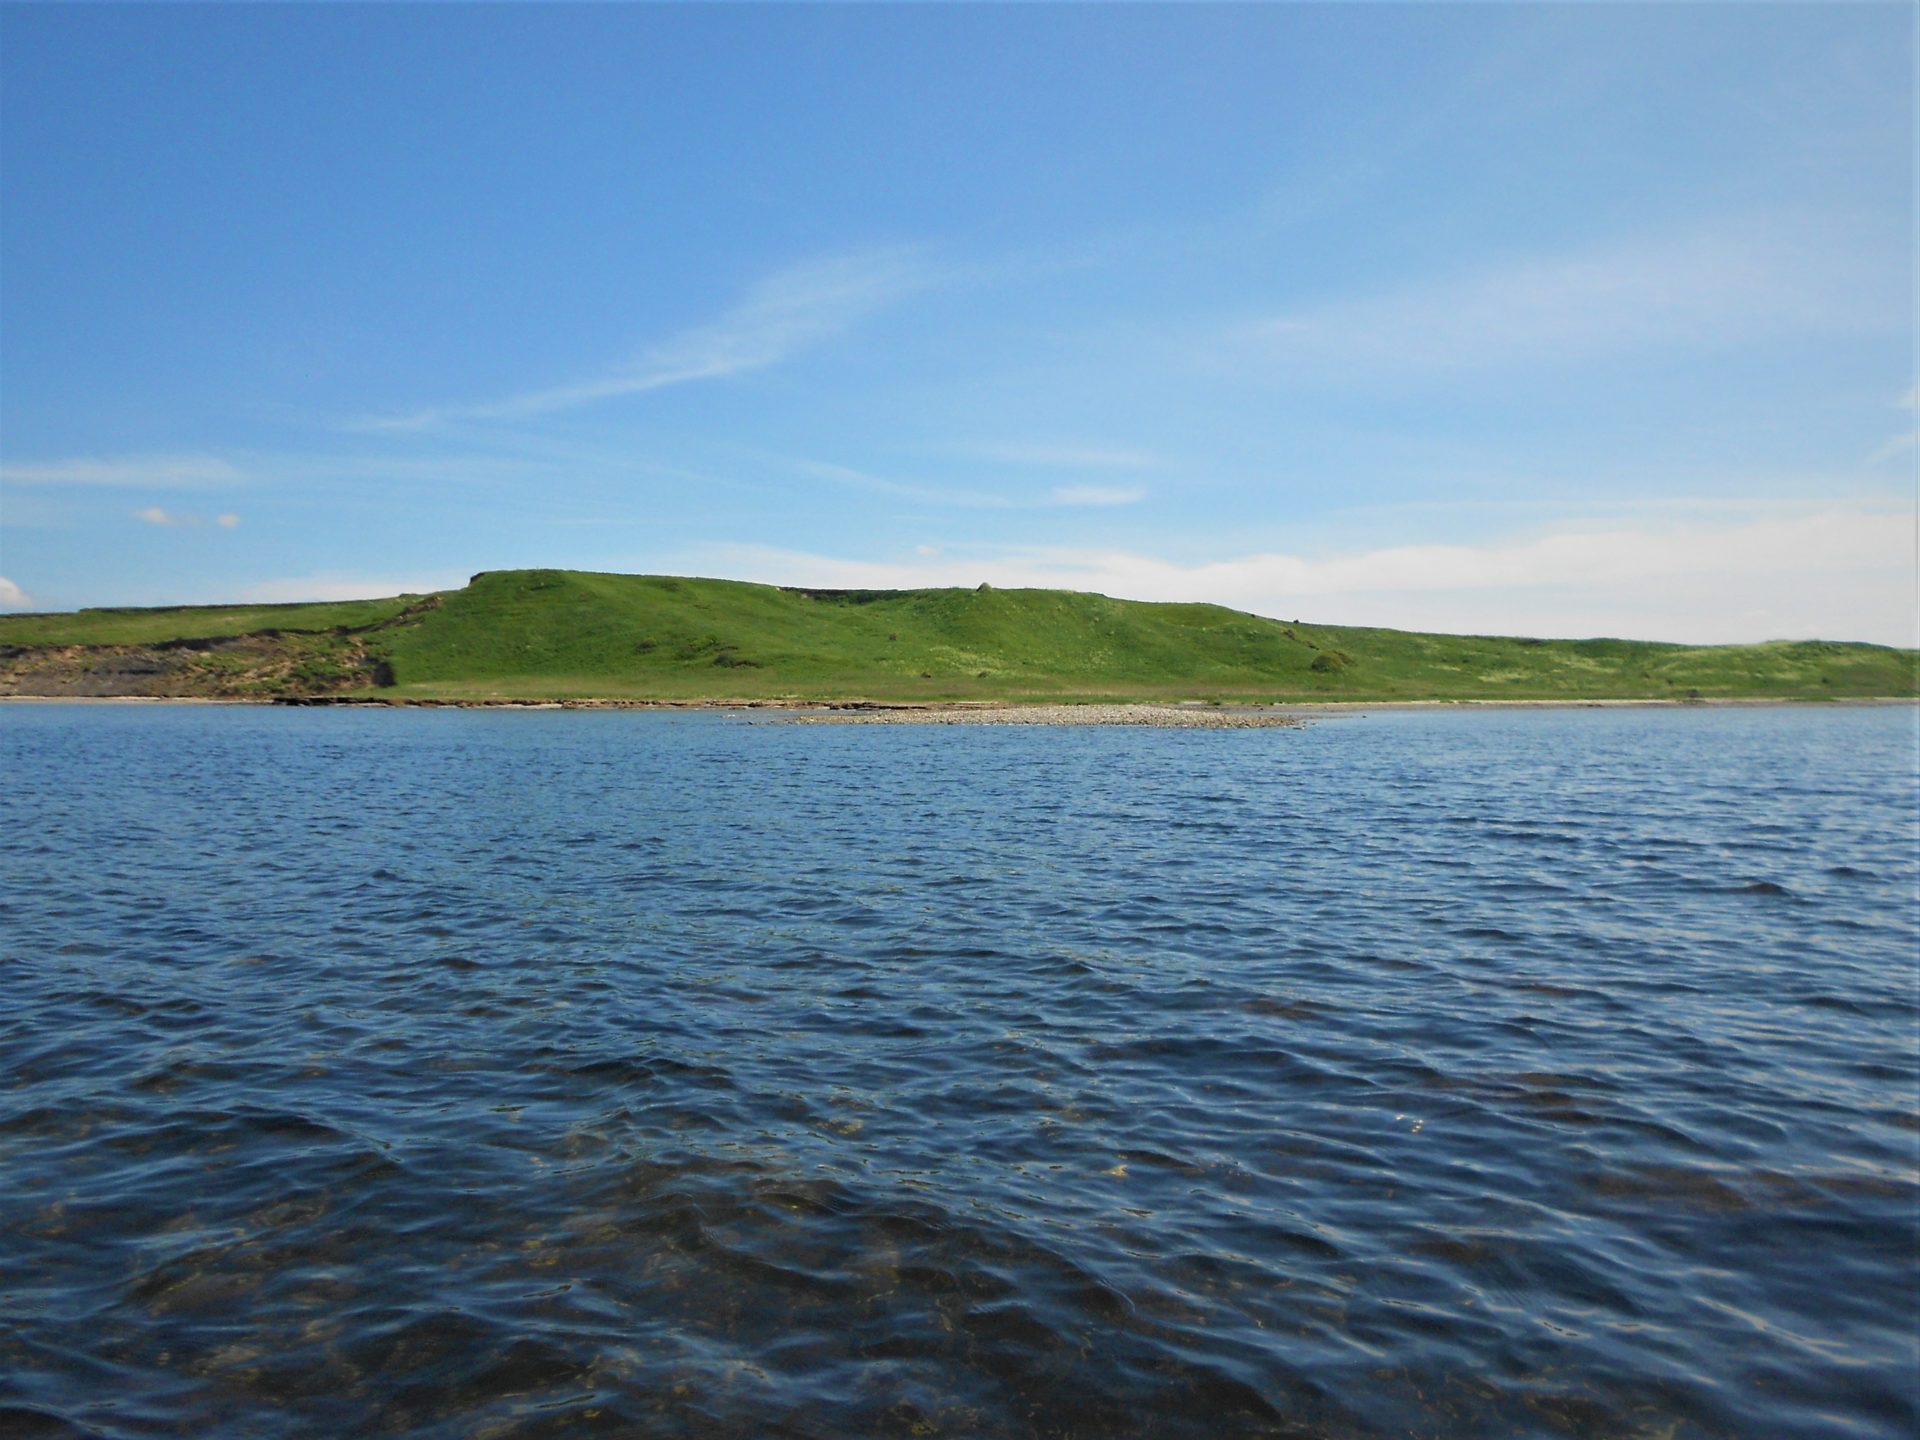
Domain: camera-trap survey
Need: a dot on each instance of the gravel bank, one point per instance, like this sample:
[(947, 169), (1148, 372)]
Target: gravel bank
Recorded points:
[(1167, 717)]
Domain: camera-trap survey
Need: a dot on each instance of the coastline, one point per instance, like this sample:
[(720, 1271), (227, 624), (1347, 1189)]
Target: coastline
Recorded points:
[(1192, 714)]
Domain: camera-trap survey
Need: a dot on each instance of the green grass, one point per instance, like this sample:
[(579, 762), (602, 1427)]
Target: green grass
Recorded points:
[(556, 634), (194, 622)]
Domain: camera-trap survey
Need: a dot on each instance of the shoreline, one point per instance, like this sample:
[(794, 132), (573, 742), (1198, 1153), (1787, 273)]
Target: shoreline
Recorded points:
[(1190, 714)]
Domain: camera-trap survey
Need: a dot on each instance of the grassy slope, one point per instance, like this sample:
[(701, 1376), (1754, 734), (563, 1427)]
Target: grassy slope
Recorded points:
[(547, 633), (564, 633), (193, 622)]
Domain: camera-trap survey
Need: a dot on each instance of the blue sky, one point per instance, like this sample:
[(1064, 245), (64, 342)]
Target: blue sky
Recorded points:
[(1558, 320)]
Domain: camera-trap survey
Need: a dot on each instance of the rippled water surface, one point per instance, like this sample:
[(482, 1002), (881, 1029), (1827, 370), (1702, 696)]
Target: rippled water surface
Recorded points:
[(527, 1073)]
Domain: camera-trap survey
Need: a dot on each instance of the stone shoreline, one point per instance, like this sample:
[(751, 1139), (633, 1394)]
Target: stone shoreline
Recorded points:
[(1165, 717), (1173, 715)]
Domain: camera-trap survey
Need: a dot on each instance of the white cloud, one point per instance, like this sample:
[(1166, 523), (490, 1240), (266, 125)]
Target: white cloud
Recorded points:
[(154, 515), (1098, 494), (928, 550), (1708, 288), (1836, 573), (785, 313), (12, 597), (180, 472), (344, 585)]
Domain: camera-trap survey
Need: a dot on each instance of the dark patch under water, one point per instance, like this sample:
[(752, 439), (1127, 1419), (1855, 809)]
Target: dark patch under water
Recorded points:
[(515, 1074)]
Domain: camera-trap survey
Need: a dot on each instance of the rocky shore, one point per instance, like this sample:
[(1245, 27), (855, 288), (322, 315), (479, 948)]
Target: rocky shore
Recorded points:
[(1166, 717)]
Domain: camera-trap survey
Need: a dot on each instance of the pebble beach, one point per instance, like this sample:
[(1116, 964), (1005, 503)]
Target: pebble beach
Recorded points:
[(1166, 717)]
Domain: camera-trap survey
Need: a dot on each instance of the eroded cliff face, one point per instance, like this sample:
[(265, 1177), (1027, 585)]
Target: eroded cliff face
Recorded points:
[(242, 667), (266, 665)]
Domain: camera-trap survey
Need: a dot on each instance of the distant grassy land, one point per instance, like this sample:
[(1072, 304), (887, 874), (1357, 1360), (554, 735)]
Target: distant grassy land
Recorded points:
[(557, 634), (196, 622)]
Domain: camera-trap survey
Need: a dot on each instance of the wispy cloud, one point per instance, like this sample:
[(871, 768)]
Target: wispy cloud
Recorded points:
[(1895, 446), (151, 472), (1070, 457), (1837, 573), (785, 313), (1099, 494), (154, 515), (12, 597), (1907, 439), (962, 497), (847, 475), (347, 585), (1709, 288)]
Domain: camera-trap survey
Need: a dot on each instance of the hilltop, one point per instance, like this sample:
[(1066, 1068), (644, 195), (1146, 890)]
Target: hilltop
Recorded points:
[(558, 634)]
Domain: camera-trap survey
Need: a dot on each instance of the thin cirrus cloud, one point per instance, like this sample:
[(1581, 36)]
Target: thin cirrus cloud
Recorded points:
[(347, 585), (154, 515), (969, 499), (1099, 494), (1709, 287), (1895, 446), (782, 315), (1070, 457), (945, 495), (176, 472), (1899, 444), (1844, 573)]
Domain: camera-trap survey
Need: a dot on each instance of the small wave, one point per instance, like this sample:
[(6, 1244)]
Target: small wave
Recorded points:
[(1548, 987), (1284, 1009)]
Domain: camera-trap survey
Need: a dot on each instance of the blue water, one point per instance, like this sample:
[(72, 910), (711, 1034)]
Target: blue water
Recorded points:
[(532, 1073)]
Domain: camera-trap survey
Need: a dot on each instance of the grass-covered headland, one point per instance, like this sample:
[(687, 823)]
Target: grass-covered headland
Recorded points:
[(560, 634)]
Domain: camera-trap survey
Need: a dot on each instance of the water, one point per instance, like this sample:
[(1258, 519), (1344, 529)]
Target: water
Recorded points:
[(514, 1074)]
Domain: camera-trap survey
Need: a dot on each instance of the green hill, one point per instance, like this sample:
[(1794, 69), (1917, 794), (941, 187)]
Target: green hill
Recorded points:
[(556, 634)]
